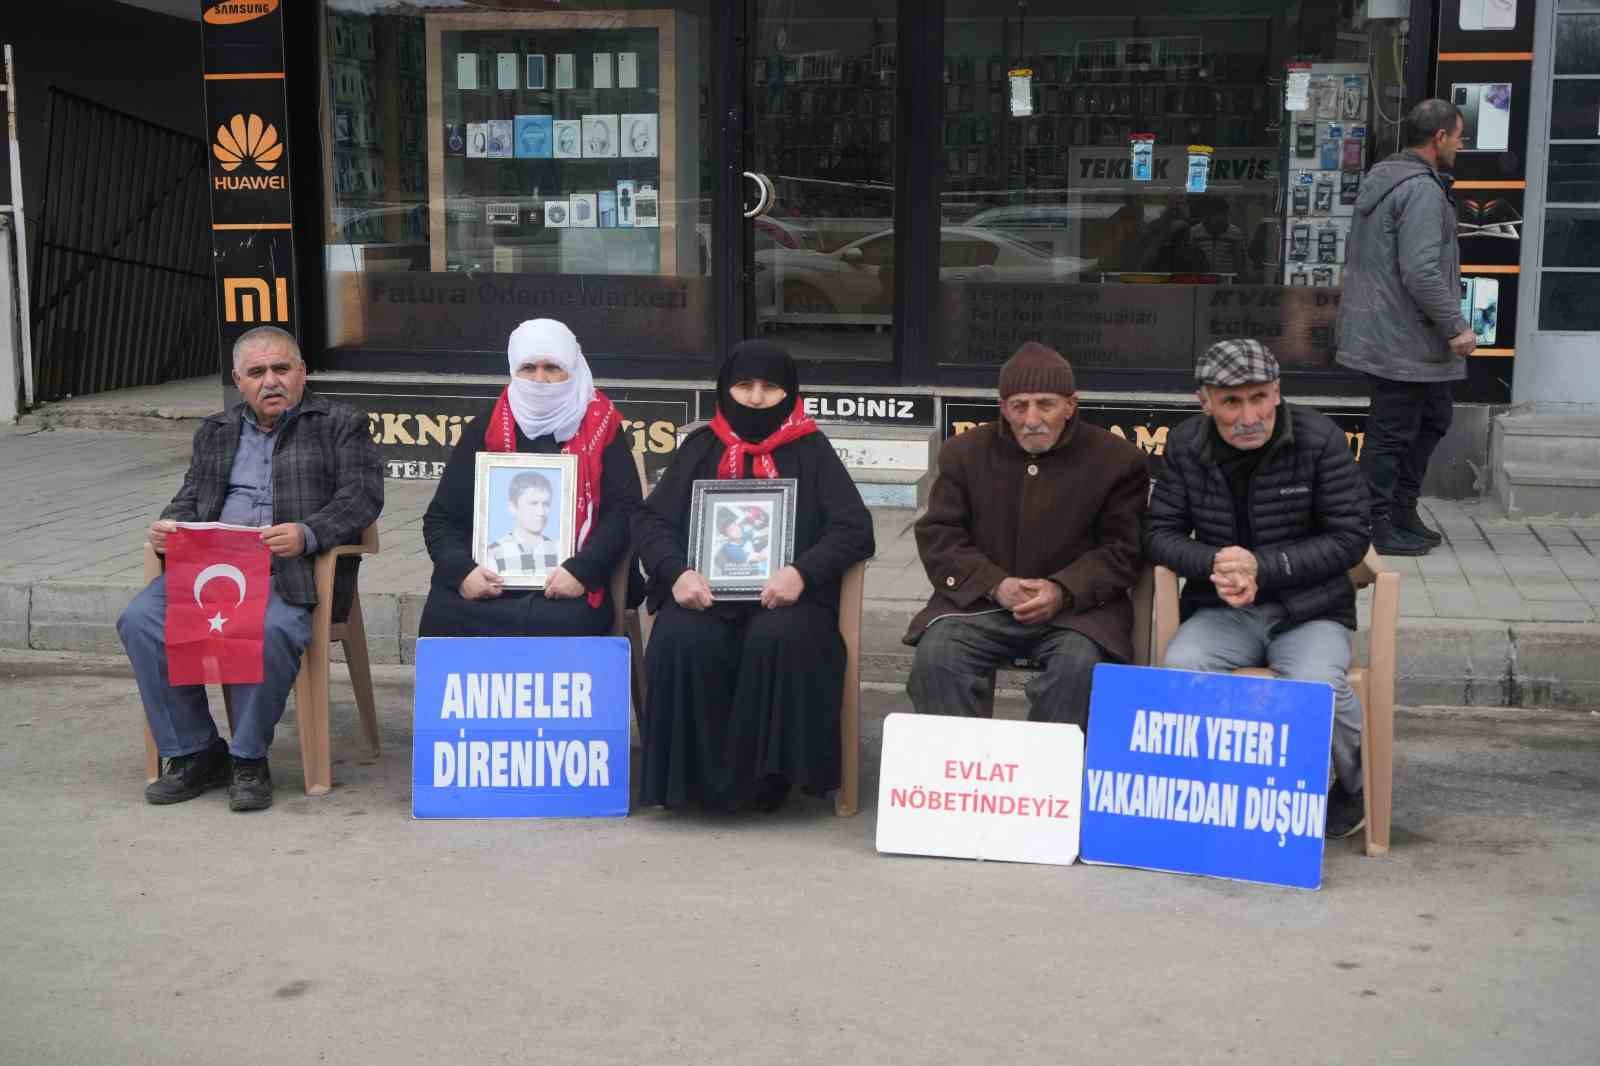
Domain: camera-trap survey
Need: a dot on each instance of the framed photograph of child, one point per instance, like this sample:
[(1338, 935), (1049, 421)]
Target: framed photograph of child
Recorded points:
[(741, 533), (523, 514)]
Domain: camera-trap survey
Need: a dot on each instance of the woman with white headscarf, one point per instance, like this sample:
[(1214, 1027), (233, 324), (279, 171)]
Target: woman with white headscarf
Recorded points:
[(549, 406)]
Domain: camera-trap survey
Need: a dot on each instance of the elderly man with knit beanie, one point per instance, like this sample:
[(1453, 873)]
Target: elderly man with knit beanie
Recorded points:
[(1032, 541)]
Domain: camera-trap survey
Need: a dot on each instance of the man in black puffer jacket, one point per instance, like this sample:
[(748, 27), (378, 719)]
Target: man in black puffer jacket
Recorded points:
[(1262, 511)]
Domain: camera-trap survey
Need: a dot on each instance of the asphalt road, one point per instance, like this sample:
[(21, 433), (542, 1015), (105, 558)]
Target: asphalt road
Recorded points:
[(337, 929)]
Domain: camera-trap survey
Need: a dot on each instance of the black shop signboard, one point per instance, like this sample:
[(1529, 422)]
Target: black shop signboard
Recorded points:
[(1146, 426), (415, 426)]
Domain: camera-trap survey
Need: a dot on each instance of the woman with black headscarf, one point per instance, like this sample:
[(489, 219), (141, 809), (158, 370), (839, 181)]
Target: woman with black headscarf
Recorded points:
[(744, 697)]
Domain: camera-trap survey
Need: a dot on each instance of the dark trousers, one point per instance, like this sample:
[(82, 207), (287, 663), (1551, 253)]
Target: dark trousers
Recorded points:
[(179, 717), (1407, 421), (512, 614), (957, 656), (738, 696)]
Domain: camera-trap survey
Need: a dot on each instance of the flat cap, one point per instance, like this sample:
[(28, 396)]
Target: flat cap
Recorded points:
[(1240, 362)]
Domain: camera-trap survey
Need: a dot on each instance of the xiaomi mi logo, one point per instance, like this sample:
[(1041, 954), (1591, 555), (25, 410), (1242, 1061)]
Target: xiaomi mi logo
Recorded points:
[(229, 12), (248, 140), (250, 300)]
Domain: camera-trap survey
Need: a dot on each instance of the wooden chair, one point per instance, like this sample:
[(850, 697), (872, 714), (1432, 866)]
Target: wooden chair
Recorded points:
[(311, 684), (1143, 595), (629, 622), (847, 801), (1372, 680)]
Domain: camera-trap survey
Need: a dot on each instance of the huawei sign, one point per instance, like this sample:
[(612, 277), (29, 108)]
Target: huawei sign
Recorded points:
[(248, 140), (230, 12)]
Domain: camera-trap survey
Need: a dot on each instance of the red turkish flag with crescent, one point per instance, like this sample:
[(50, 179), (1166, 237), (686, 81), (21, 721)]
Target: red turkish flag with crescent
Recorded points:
[(218, 581)]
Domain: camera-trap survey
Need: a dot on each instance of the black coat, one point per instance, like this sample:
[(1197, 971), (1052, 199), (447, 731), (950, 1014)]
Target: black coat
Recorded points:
[(1308, 508), (833, 528), (447, 524)]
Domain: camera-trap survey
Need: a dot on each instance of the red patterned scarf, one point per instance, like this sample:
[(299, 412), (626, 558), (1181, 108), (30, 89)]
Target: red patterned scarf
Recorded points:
[(731, 467), (601, 423)]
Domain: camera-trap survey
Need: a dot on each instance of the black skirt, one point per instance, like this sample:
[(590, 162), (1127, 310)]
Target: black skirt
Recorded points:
[(512, 614), (739, 698)]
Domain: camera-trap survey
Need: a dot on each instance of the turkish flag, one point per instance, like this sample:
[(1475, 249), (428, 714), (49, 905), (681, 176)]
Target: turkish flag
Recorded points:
[(218, 581)]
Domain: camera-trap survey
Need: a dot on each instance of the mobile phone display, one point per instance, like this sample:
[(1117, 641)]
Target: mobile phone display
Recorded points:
[(1485, 316), (1485, 113), (1328, 245), (1494, 118), (1324, 202), (1305, 140)]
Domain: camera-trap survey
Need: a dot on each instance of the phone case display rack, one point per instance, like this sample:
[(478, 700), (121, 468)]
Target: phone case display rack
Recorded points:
[(545, 122), (1098, 95), (822, 114), (1485, 67), (1328, 146), (374, 163)]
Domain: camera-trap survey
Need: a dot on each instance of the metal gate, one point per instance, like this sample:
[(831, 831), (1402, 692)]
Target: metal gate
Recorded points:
[(122, 292)]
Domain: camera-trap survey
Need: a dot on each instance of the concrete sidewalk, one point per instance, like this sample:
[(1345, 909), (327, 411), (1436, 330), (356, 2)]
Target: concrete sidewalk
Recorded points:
[(1504, 614)]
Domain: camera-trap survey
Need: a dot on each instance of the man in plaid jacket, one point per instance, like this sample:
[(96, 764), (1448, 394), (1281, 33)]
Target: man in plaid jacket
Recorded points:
[(305, 469)]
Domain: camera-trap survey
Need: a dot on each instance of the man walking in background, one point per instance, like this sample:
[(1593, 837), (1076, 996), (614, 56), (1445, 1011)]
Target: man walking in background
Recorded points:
[(1400, 320)]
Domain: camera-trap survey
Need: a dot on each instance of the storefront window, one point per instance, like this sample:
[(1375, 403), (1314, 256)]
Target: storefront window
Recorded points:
[(488, 166), (1056, 225), (1569, 285), (823, 109)]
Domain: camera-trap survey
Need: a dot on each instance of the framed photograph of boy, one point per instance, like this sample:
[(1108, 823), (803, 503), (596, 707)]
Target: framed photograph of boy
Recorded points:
[(741, 533), (523, 515)]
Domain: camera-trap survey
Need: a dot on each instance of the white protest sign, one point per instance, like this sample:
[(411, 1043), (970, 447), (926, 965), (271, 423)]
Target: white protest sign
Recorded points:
[(975, 788)]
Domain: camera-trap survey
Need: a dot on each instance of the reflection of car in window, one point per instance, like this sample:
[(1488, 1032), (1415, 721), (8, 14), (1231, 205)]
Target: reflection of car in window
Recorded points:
[(853, 285)]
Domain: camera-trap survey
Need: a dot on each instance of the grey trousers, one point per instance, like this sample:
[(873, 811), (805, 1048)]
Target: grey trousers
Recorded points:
[(1217, 639), (179, 718), (957, 656)]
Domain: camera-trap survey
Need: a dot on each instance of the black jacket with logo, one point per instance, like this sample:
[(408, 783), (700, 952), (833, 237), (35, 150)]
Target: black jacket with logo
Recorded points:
[(1308, 510)]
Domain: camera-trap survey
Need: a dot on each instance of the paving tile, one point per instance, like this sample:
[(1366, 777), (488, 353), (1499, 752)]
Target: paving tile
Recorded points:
[(1414, 601), (1579, 564), (1556, 535), (1437, 506), (1502, 602), (1562, 612), (1437, 564), (1452, 599), (1515, 543), (1404, 565), (1483, 565), (1531, 566), (1545, 590)]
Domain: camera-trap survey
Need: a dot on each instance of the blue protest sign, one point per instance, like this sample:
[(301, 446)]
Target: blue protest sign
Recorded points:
[(520, 727), (1207, 774)]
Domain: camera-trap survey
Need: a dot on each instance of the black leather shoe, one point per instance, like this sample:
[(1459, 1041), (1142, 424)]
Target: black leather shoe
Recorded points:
[(1410, 521), (186, 776), (1390, 539), (1346, 813), (251, 789)]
